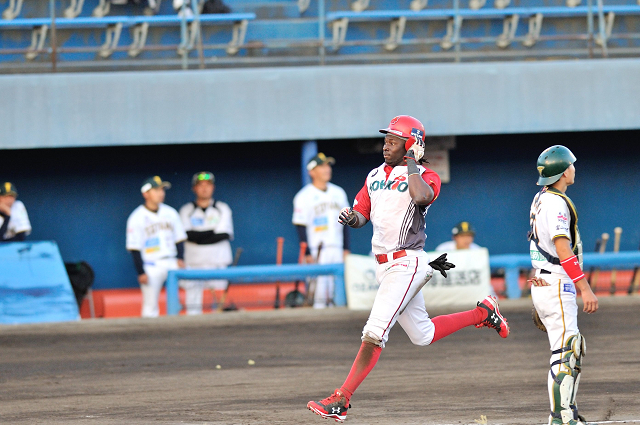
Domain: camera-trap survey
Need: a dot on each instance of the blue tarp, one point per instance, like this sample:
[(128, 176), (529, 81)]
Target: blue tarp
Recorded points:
[(34, 285)]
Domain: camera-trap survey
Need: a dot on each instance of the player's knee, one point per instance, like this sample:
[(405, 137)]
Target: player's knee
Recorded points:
[(421, 340), (372, 338)]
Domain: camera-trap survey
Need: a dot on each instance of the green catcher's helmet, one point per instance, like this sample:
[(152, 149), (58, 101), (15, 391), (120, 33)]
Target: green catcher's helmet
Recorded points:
[(552, 162)]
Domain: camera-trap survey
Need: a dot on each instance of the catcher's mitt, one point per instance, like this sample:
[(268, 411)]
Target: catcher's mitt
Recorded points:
[(537, 321)]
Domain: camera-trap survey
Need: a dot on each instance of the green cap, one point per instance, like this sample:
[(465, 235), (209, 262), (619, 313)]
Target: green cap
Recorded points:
[(552, 162), (319, 159), (8, 188), (463, 228), (203, 176), (152, 182)]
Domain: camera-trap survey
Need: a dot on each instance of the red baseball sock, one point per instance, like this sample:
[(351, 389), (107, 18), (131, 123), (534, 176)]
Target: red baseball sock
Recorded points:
[(450, 323), (365, 361)]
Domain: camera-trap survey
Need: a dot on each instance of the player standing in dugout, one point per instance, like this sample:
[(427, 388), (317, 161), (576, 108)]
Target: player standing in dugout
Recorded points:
[(315, 208), (556, 255), (395, 198)]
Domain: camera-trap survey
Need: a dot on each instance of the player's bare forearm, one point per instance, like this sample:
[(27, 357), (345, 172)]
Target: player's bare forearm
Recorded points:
[(588, 297), (563, 248), (421, 193)]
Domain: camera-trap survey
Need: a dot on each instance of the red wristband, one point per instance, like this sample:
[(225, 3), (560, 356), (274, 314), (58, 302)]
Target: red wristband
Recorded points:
[(572, 267)]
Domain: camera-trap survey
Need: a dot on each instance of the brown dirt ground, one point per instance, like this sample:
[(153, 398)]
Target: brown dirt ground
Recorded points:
[(137, 371)]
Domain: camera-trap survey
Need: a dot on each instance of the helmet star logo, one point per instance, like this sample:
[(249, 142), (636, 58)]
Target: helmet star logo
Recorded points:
[(540, 169)]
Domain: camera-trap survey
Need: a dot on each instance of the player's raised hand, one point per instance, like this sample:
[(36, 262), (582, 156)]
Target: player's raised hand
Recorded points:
[(347, 217), (440, 264), (418, 146)]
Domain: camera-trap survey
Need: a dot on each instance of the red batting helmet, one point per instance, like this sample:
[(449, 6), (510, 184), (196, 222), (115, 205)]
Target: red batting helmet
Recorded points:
[(406, 127)]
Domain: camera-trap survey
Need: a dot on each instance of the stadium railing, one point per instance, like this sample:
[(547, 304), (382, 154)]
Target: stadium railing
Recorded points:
[(513, 263), (282, 273)]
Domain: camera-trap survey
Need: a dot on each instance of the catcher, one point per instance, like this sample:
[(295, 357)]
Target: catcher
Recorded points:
[(556, 255)]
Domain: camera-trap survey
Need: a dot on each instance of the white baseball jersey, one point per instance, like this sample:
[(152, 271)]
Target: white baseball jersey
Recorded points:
[(216, 217), (398, 223), (451, 246), (154, 234), (550, 218), (318, 211), (18, 222)]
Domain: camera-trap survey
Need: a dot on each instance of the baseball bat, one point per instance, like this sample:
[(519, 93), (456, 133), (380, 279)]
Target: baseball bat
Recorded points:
[(635, 279), (617, 233), (223, 298), (279, 246), (592, 268), (293, 296), (596, 273), (311, 292)]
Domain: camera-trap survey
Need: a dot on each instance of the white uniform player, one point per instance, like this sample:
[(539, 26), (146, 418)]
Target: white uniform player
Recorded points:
[(395, 198), (155, 238), (556, 255), (14, 220), (462, 234), (315, 208), (209, 226)]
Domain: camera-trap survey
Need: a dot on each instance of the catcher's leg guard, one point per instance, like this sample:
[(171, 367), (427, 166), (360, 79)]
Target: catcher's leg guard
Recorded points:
[(565, 383)]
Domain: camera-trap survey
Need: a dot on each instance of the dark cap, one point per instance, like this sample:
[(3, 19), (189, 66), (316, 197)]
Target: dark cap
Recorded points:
[(8, 188), (203, 176), (319, 159), (463, 228), (152, 182)]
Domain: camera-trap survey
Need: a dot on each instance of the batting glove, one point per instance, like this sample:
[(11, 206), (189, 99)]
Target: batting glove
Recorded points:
[(347, 217), (440, 264)]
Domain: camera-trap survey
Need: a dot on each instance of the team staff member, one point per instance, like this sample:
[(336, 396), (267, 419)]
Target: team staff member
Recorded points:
[(155, 238), (315, 208), (14, 220), (556, 255), (209, 226), (395, 198), (462, 235)]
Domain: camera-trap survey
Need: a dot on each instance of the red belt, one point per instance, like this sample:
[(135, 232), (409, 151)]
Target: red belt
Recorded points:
[(383, 258)]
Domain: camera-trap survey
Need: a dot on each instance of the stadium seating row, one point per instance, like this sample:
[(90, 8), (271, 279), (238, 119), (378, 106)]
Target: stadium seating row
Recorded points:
[(360, 31), (113, 26)]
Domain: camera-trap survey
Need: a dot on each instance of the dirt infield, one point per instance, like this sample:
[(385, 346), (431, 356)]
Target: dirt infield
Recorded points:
[(136, 371)]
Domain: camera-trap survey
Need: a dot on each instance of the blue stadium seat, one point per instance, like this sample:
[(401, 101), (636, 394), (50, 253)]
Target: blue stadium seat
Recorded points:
[(397, 20), (113, 26)]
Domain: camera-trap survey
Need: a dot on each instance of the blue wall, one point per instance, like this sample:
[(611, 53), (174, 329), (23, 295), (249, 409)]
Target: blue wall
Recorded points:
[(82, 197)]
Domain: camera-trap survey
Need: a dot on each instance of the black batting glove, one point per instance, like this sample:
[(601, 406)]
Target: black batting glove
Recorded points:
[(440, 264), (410, 155), (347, 217)]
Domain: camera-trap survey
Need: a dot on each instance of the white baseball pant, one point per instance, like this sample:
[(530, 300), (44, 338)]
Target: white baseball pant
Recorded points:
[(156, 274), (325, 285), (399, 299), (194, 288), (558, 311)]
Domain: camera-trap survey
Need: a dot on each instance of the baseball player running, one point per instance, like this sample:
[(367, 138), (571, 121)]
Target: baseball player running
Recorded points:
[(155, 238), (315, 208), (209, 226), (14, 220), (556, 255), (395, 198)]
